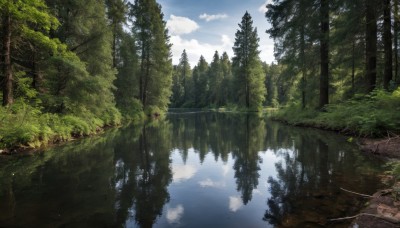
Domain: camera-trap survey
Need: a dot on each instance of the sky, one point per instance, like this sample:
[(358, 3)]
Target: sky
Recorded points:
[(202, 27)]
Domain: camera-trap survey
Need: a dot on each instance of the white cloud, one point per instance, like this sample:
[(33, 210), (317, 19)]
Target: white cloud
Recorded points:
[(226, 41), (212, 17), (209, 183), (181, 25), (195, 49), (225, 170), (182, 172), (267, 52), (263, 7), (175, 214), (235, 203)]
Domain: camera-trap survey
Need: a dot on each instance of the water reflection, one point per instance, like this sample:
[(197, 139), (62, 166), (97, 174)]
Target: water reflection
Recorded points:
[(145, 175), (313, 168), (192, 170)]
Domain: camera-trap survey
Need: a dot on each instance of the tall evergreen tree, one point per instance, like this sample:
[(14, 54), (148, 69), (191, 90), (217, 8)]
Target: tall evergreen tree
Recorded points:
[(116, 13), (177, 89), (348, 44), (226, 91), (185, 75), (155, 73), (126, 82), (387, 42), (371, 43), (324, 51), (215, 76), (396, 25), (200, 83), (88, 87), (294, 32), (25, 20), (249, 75), (271, 84)]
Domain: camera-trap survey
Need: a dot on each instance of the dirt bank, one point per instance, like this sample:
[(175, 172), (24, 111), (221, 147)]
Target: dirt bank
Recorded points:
[(383, 209), (388, 147)]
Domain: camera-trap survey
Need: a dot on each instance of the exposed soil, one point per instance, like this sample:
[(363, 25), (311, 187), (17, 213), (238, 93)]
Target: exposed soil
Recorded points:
[(388, 147), (383, 209)]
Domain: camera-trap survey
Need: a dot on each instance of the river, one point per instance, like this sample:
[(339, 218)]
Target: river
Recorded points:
[(193, 169)]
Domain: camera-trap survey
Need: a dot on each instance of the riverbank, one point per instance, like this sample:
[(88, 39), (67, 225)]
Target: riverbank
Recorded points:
[(25, 128), (374, 124)]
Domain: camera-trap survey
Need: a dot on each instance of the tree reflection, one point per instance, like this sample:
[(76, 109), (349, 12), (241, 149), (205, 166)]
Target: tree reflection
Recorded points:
[(62, 187), (121, 179), (243, 135), (142, 176), (305, 185), (250, 139)]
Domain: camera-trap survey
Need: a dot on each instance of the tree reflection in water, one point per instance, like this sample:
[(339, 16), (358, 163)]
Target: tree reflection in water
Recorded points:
[(143, 175), (123, 178), (306, 183)]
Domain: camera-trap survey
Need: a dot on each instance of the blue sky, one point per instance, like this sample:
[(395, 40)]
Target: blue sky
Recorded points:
[(205, 26)]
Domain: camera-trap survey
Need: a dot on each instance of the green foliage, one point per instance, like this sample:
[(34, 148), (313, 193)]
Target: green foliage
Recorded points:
[(394, 170), (248, 72), (155, 64), (23, 125), (153, 111), (369, 115), (182, 84)]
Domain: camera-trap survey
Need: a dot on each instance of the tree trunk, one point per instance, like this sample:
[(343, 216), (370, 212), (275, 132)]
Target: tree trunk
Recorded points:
[(146, 79), (370, 40), (353, 66), (387, 39), (303, 57), (396, 41), (142, 70), (247, 91), (324, 51), (114, 47), (7, 73), (35, 72)]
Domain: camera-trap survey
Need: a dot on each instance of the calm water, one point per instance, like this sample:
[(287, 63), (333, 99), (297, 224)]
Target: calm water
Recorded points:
[(191, 170)]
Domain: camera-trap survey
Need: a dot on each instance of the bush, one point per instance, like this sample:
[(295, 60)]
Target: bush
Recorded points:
[(22, 124), (370, 115)]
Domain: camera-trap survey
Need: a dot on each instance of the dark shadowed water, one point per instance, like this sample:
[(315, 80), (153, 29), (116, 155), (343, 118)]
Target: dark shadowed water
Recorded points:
[(191, 170)]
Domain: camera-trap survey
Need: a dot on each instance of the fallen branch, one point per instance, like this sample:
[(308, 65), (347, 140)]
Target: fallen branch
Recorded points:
[(356, 193), (388, 219), (390, 138), (344, 218)]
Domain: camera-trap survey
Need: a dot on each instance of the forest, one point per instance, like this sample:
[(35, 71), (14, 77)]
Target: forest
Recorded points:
[(337, 67), (71, 68)]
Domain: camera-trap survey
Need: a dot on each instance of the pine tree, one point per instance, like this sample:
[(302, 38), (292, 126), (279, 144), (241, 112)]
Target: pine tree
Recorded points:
[(294, 31), (226, 91), (271, 84), (347, 42), (177, 89), (126, 82), (248, 72), (387, 42), (185, 75), (371, 43), (215, 77), (200, 83), (116, 13), (85, 86), (155, 73), (324, 52), (23, 21)]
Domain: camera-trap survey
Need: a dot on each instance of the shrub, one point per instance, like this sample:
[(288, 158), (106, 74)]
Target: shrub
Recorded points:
[(370, 115)]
